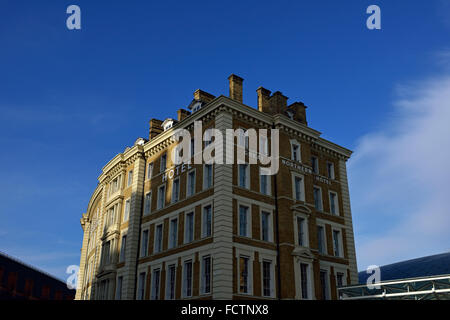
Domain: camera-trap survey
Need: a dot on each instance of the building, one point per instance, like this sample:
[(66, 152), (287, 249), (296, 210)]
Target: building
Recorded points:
[(19, 281), (425, 278), (157, 231)]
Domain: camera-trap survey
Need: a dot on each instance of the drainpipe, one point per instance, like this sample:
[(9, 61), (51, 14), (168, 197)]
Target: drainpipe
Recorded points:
[(277, 232)]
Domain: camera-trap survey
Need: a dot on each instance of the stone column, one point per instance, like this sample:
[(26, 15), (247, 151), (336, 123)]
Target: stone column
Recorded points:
[(222, 286), (133, 235), (81, 272), (348, 222)]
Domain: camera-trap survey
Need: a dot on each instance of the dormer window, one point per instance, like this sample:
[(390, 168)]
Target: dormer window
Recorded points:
[(290, 114), (195, 105), (168, 123)]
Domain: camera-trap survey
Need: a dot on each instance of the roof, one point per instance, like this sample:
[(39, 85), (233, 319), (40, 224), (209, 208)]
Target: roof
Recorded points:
[(434, 265)]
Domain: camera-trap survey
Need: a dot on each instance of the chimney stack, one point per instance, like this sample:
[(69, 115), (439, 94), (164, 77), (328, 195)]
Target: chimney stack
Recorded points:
[(183, 114), (155, 128), (278, 102), (263, 100), (203, 96), (236, 87)]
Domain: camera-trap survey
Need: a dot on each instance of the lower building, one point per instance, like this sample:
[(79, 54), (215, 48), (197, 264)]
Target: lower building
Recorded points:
[(19, 281), (156, 229)]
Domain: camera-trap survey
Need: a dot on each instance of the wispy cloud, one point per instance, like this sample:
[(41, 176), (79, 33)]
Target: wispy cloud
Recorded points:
[(400, 175)]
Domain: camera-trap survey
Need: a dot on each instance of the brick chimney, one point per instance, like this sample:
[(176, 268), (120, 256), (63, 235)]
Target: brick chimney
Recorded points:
[(278, 102), (263, 100), (203, 96), (236, 87), (155, 128), (183, 114), (299, 111)]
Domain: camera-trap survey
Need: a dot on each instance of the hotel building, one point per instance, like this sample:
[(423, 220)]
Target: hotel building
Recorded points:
[(154, 230)]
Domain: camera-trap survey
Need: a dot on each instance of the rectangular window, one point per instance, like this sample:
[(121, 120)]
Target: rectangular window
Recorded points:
[(207, 176), (243, 223), (163, 163), (267, 278), (330, 170), (126, 215), (173, 233), (161, 196), (189, 228), (119, 288), (187, 278), (130, 178), (147, 203), (324, 284), (321, 239), (315, 165), (304, 280), (336, 243), (263, 145), (144, 244), (176, 190), (141, 286), (243, 275), (158, 238), (123, 248), (170, 286), (207, 221), (265, 226), (192, 147), (318, 198), (295, 152), (107, 253), (298, 188), (150, 170), (155, 284), (264, 184), (334, 203), (301, 238), (191, 183), (340, 279), (206, 275), (243, 175)]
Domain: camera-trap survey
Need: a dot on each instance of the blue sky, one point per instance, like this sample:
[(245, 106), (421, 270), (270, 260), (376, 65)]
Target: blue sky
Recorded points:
[(71, 100)]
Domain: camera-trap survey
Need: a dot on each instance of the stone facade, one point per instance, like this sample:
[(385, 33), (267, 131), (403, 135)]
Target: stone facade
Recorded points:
[(224, 233)]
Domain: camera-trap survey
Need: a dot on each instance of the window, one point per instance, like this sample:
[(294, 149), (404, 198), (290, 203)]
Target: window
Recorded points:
[(301, 231), (339, 279), (148, 203), (243, 221), (263, 145), (163, 163), (337, 243), (170, 286), (126, 215), (267, 278), (265, 226), (191, 183), (243, 176), (119, 288), (144, 244), (161, 196), (207, 176), (123, 247), (106, 253), (207, 221), (141, 286), (173, 233), (189, 228), (206, 275), (321, 239), (264, 184), (207, 137), (298, 188), (324, 284), (155, 284), (295, 152), (158, 238), (28, 290), (176, 190), (130, 178), (315, 165), (304, 280), (317, 198), (150, 170), (330, 170), (192, 147), (187, 290), (334, 207), (243, 274)]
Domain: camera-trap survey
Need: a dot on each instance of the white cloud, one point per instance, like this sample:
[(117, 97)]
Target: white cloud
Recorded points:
[(400, 178)]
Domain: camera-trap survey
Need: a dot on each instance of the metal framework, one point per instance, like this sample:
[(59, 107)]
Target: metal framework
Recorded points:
[(426, 288)]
